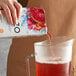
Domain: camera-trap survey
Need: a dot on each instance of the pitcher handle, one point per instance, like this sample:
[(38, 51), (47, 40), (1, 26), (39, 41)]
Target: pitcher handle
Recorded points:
[(28, 64), (73, 71)]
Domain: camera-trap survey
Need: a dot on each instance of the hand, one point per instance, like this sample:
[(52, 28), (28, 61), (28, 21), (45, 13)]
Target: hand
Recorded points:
[(12, 10)]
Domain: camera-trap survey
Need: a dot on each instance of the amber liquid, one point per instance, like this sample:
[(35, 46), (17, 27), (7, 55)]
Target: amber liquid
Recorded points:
[(53, 69)]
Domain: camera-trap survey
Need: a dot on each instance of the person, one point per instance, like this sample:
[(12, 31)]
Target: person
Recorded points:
[(12, 10), (61, 20)]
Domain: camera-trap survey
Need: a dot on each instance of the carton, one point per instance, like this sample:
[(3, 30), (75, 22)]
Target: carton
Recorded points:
[(31, 22)]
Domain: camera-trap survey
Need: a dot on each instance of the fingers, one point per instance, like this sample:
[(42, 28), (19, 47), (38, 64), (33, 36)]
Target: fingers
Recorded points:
[(1, 14), (8, 13), (18, 8), (13, 13)]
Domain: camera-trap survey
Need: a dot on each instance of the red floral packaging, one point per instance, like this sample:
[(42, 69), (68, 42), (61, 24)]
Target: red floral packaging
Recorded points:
[(32, 22)]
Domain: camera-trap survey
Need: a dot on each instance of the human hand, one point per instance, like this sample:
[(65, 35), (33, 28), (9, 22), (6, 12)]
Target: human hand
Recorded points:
[(12, 10)]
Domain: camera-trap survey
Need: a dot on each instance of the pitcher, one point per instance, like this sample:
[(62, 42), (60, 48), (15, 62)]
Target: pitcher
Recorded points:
[(53, 57)]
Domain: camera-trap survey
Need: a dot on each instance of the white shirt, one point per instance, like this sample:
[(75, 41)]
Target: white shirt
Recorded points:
[(4, 51)]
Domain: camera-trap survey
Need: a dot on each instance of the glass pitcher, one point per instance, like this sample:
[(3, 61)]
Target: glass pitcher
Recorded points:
[(52, 57)]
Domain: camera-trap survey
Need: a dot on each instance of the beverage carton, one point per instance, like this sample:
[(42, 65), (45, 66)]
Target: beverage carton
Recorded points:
[(31, 22)]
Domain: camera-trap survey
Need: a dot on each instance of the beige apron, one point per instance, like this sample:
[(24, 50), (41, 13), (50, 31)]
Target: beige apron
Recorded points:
[(61, 20)]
